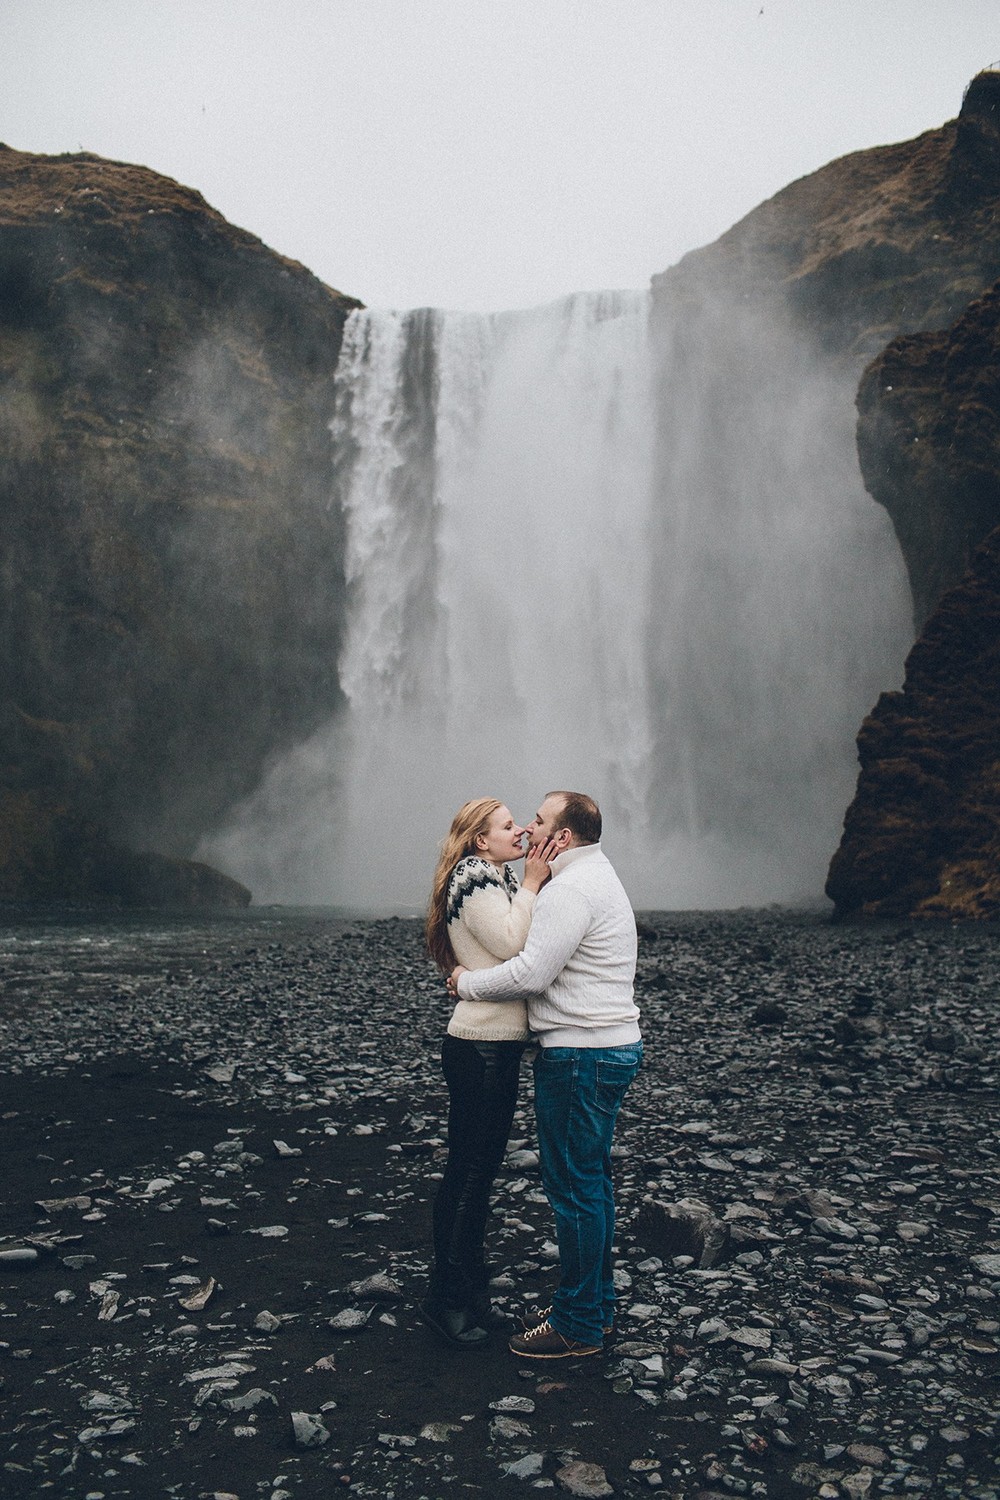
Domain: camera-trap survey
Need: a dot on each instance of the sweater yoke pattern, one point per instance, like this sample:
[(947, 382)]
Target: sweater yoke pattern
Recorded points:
[(474, 874)]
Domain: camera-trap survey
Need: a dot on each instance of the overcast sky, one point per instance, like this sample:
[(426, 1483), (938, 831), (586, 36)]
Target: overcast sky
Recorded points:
[(484, 154)]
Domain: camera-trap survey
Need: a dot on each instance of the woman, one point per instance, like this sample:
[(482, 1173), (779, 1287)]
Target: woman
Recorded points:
[(478, 916)]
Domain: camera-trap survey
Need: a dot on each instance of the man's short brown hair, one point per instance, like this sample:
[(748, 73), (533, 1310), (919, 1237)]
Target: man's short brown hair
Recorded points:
[(581, 815)]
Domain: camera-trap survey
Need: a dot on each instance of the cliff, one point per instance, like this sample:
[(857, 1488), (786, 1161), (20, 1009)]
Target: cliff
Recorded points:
[(879, 243), (922, 836), (923, 833), (862, 264), (171, 573), (928, 409)]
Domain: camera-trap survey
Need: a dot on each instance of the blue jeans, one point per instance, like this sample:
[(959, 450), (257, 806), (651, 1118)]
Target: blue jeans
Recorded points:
[(578, 1093)]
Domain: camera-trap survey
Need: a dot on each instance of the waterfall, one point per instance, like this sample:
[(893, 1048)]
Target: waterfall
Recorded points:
[(587, 548)]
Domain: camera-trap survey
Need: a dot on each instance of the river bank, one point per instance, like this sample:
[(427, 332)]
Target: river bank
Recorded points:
[(217, 1133)]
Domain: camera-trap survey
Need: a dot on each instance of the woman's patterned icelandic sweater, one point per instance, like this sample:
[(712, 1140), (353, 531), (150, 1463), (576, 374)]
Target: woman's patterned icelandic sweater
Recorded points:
[(488, 918)]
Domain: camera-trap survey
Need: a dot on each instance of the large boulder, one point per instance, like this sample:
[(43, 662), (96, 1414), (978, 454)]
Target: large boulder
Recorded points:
[(171, 578)]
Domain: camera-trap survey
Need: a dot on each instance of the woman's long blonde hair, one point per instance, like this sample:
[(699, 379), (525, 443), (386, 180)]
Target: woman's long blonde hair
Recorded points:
[(471, 820)]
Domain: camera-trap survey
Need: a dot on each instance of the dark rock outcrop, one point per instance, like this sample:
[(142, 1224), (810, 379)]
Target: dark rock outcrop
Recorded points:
[(49, 852), (171, 565), (929, 443), (922, 836), (923, 833)]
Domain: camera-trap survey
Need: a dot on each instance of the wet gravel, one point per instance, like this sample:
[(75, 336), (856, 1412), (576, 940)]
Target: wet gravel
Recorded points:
[(220, 1141)]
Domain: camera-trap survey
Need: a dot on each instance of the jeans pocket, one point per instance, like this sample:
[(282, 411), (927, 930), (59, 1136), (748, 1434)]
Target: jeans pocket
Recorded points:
[(611, 1083)]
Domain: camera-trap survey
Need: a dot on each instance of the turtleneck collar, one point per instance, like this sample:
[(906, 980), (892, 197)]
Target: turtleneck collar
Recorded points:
[(569, 856)]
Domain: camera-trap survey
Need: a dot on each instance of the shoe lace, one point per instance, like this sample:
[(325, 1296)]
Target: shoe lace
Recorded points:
[(540, 1329)]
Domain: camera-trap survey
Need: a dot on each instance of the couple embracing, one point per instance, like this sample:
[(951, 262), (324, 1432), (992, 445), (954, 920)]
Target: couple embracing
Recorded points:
[(549, 961)]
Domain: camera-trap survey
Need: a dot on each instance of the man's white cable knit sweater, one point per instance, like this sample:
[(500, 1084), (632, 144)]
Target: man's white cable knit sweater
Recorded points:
[(488, 918), (577, 968)]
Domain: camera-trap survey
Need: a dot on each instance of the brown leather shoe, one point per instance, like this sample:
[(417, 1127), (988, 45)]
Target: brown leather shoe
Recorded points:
[(545, 1342), (534, 1316), (538, 1315)]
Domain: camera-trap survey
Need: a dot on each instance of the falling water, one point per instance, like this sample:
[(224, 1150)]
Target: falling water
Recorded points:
[(587, 552)]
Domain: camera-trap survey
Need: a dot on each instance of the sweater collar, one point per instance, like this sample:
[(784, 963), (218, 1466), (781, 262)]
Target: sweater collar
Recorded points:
[(570, 856)]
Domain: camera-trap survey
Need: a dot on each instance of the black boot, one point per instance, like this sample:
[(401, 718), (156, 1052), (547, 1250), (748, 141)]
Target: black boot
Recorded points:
[(458, 1325), (449, 1311), (482, 1309)]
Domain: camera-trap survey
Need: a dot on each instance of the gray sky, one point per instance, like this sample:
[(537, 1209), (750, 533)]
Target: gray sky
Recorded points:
[(484, 154)]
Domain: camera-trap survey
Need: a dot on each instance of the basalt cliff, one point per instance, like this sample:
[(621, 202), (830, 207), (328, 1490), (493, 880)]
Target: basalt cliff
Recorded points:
[(171, 559), (922, 836)]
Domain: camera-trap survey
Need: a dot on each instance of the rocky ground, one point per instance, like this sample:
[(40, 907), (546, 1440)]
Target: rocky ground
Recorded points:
[(220, 1142)]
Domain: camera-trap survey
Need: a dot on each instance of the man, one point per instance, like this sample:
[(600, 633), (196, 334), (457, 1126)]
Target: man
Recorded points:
[(577, 972)]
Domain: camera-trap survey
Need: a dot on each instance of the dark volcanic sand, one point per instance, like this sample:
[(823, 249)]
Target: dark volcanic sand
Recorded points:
[(846, 1342)]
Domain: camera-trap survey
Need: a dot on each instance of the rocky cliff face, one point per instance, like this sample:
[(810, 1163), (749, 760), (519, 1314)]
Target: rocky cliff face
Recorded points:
[(923, 833), (171, 563), (927, 440), (876, 244), (922, 836), (886, 247)]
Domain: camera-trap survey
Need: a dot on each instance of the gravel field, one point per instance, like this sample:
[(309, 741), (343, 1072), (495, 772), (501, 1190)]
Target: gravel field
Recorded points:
[(221, 1137)]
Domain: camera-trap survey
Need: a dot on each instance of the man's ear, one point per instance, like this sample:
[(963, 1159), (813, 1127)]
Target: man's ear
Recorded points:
[(563, 837)]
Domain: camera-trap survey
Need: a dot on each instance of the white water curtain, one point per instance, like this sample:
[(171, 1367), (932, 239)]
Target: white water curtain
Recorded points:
[(584, 554)]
